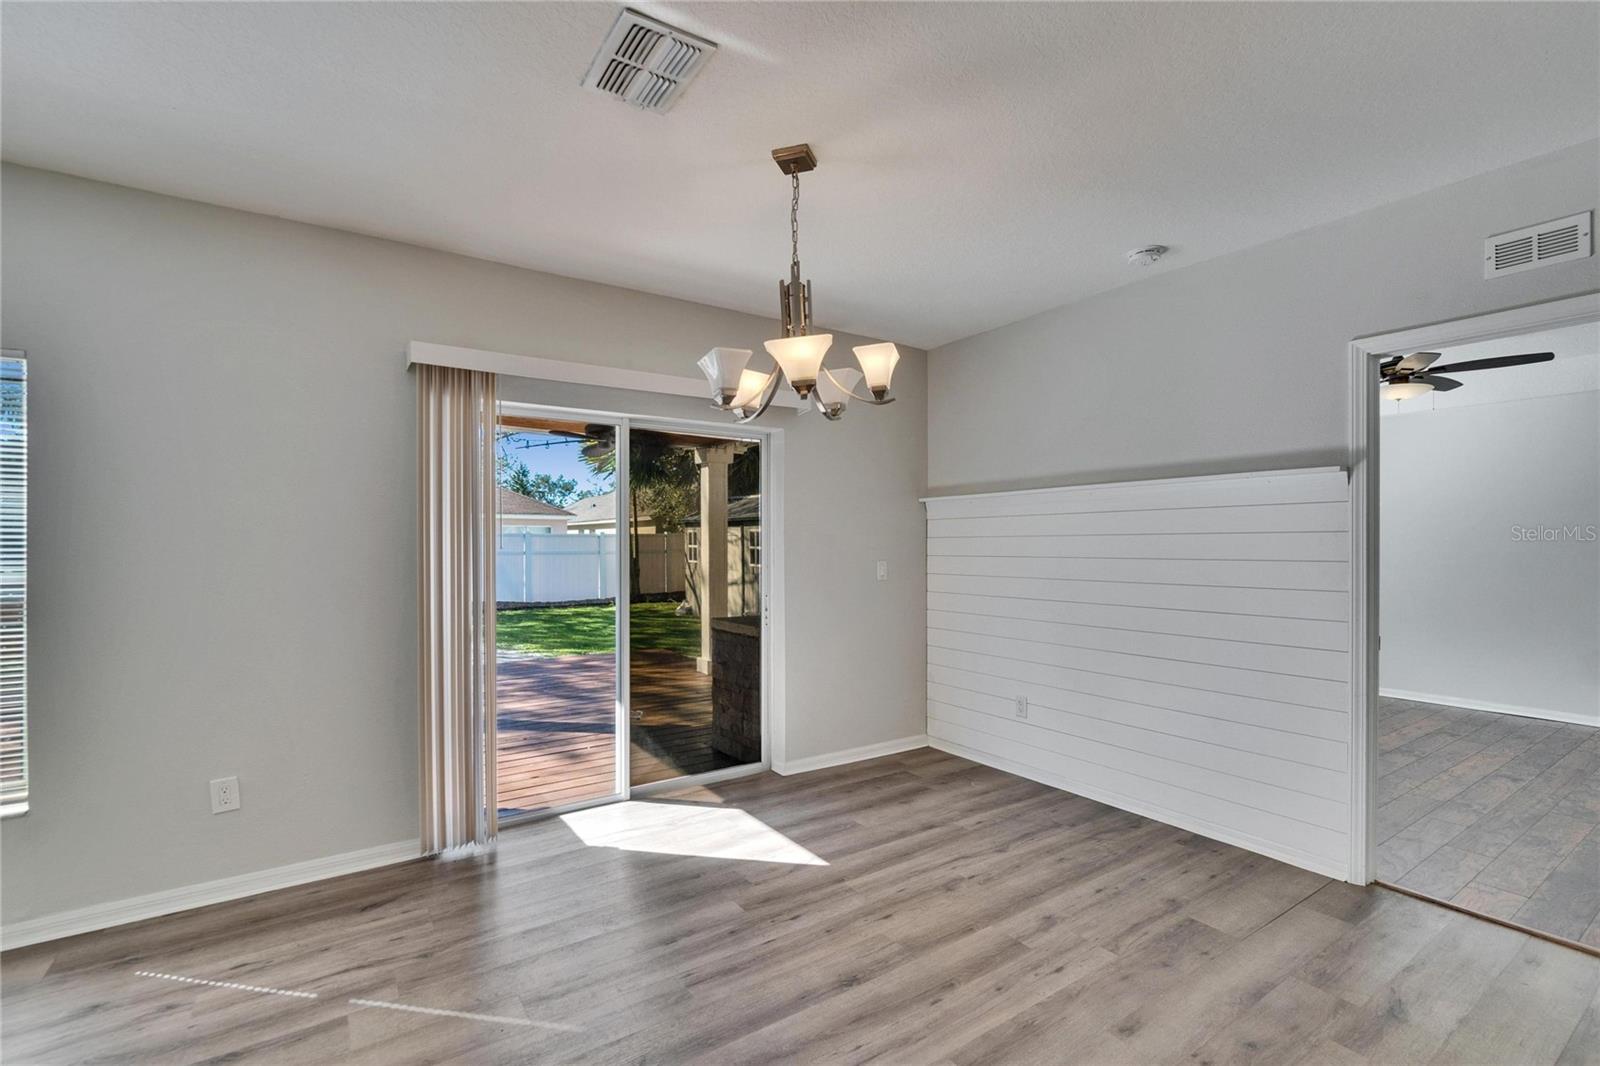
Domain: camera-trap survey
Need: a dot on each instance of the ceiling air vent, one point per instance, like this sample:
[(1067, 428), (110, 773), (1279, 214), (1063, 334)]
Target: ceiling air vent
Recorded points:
[(1537, 246), (646, 62)]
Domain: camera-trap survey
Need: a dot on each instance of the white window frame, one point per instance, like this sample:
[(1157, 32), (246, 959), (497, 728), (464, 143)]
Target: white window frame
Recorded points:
[(14, 794)]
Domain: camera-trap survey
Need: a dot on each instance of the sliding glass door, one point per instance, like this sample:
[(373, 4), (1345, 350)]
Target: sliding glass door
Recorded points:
[(594, 510), (557, 577), (695, 626)]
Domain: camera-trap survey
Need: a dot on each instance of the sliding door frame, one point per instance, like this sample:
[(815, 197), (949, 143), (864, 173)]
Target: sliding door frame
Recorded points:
[(770, 440)]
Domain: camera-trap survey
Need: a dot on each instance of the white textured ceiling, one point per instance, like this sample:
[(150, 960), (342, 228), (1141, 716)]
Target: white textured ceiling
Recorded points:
[(979, 162)]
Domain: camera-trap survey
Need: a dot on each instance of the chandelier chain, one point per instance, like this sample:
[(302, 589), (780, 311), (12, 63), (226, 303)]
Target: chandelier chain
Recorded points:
[(794, 222)]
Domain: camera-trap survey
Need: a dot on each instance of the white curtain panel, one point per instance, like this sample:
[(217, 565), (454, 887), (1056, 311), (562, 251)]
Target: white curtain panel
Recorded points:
[(455, 470)]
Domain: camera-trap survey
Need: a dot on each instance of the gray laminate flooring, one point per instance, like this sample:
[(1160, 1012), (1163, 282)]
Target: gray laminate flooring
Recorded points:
[(1492, 812), (916, 909)]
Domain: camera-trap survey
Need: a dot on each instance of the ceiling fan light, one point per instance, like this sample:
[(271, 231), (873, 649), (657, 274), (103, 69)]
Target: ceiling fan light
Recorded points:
[(723, 368), (1403, 390), (801, 358), (877, 364)]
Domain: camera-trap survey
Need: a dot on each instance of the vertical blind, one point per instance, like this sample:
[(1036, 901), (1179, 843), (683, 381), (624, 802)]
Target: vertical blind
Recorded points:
[(13, 583)]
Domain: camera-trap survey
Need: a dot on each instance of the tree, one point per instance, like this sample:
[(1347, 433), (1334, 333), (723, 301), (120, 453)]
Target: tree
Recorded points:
[(553, 489), (662, 480)]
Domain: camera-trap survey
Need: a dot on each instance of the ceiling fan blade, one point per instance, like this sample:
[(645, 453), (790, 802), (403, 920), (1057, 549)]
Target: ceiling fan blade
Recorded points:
[(1439, 384), (1389, 363), (1497, 361), (1418, 361)]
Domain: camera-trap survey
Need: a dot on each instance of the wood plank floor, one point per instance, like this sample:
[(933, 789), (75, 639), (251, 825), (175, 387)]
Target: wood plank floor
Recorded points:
[(940, 912), (556, 734), (1493, 812)]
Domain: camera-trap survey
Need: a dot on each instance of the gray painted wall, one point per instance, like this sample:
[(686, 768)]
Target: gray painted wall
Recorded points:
[(223, 527), (1238, 363), (1470, 610)]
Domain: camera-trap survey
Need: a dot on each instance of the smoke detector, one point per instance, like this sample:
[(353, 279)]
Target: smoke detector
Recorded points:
[(1143, 257), (646, 62)]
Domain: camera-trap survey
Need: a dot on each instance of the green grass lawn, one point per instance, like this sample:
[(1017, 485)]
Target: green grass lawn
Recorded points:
[(592, 630)]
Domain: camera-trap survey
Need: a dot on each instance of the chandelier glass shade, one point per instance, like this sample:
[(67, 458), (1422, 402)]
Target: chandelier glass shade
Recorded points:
[(800, 358), (798, 354)]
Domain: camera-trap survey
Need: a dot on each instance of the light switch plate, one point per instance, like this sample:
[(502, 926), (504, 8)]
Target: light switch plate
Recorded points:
[(883, 570)]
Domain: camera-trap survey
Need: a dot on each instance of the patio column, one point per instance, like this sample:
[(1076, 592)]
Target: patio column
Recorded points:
[(713, 460)]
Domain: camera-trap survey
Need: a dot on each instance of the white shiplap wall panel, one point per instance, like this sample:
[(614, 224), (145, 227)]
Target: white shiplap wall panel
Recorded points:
[(1249, 574), (1246, 654), (1267, 713), (1262, 603), (1183, 647)]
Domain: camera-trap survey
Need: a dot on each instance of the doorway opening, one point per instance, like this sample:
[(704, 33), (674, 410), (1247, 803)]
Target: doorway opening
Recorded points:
[(1484, 727)]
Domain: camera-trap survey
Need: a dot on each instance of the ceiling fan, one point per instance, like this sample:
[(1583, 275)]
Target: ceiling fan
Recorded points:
[(1405, 377)]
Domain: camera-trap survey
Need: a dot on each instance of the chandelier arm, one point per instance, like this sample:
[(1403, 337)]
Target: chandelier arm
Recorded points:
[(854, 395)]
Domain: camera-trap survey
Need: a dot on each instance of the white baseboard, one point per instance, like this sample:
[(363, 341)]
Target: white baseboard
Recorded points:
[(1178, 819), (1499, 708), (849, 755), (172, 900)]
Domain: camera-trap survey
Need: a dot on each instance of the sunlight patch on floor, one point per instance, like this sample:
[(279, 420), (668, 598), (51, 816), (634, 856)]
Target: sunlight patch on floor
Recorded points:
[(676, 829)]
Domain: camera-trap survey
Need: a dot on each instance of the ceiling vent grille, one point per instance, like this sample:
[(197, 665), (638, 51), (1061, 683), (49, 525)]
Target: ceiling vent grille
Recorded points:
[(1537, 246), (646, 62)]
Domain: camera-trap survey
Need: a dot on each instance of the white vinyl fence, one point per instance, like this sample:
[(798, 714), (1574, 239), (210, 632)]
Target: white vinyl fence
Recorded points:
[(564, 568)]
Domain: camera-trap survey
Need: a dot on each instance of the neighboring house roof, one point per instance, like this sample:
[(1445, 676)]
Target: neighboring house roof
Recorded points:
[(742, 511), (600, 509), (516, 503)]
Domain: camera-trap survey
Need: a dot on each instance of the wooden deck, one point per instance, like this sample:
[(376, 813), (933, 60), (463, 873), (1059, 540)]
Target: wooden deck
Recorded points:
[(556, 737)]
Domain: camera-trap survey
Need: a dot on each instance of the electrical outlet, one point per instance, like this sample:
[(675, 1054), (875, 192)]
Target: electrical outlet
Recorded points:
[(224, 794), (1022, 706), (883, 570)]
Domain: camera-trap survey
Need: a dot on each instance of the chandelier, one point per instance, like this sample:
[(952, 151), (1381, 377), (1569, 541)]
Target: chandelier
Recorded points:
[(798, 354)]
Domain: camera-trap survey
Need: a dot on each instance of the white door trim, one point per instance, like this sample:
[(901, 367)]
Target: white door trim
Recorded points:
[(1363, 465)]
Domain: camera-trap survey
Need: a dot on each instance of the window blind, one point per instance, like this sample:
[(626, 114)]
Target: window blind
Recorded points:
[(13, 583)]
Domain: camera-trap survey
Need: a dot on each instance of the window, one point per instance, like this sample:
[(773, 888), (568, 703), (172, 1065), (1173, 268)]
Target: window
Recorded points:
[(13, 583), (752, 547), (691, 545)]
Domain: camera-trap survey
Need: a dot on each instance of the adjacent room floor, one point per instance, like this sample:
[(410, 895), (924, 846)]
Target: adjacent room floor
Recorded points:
[(1493, 812), (913, 909)]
